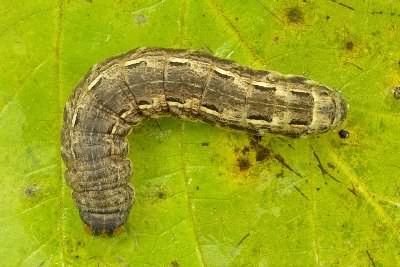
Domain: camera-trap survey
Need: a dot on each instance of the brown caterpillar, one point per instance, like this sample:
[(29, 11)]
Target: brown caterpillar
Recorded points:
[(117, 94)]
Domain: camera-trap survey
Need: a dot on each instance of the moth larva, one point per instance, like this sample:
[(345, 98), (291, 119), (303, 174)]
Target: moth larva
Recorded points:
[(117, 94)]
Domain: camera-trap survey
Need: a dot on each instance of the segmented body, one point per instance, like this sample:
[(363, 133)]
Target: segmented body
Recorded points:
[(117, 94)]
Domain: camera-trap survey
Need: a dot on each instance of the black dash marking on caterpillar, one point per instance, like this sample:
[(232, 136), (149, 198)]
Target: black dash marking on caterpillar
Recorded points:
[(117, 94)]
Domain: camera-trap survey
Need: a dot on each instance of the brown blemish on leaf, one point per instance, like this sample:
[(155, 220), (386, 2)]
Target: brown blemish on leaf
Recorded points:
[(243, 163), (349, 45), (322, 168), (282, 161), (174, 264), (295, 15), (343, 5), (31, 190), (353, 190), (262, 153), (161, 195)]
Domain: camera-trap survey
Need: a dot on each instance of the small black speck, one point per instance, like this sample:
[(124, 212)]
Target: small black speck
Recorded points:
[(318, 188), (205, 144), (349, 45), (197, 188), (396, 92), (327, 17), (344, 134), (236, 18)]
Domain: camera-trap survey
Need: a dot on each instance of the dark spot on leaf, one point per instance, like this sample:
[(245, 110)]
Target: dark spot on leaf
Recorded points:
[(295, 15), (31, 190), (344, 133), (197, 188), (243, 163), (245, 150), (280, 174), (174, 264), (236, 18), (318, 188), (331, 165), (262, 153), (349, 45), (396, 92), (204, 144), (327, 17), (161, 195)]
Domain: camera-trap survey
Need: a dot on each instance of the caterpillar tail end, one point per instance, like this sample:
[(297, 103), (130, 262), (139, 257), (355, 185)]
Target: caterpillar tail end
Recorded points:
[(104, 224)]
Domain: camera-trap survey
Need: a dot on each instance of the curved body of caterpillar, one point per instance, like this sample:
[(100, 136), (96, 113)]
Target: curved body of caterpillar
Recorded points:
[(117, 94)]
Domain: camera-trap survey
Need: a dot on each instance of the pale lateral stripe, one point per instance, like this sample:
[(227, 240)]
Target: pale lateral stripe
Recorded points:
[(224, 72), (94, 82), (133, 62), (178, 60)]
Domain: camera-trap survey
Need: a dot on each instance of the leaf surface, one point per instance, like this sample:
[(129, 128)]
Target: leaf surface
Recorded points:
[(207, 196)]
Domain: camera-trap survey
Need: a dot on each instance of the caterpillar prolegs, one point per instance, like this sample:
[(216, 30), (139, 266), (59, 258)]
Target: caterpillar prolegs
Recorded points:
[(117, 94)]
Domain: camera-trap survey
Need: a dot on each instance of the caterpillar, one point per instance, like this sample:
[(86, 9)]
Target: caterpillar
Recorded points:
[(119, 93)]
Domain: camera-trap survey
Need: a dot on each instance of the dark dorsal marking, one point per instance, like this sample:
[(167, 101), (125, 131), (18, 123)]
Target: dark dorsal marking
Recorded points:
[(265, 88), (179, 64), (144, 102), (300, 122), (211, 106), (175, 99), (263, 117)]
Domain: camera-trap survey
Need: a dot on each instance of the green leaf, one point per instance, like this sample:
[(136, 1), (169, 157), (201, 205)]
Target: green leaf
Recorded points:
[(207, 196)]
